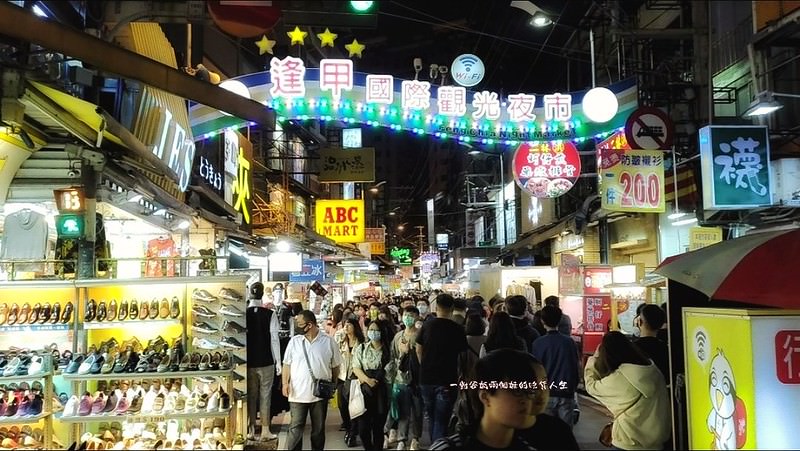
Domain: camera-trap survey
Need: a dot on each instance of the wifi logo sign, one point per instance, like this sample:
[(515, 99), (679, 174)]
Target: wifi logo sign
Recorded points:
[(702, 345), (467, 70)]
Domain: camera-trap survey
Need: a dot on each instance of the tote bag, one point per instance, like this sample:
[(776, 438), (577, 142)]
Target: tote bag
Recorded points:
[(356, 405)]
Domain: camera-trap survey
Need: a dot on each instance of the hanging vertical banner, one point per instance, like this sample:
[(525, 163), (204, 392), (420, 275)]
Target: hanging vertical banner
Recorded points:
[(735, 166)]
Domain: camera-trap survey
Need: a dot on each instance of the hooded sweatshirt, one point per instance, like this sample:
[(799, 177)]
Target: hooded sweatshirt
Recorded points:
[(637, 396)]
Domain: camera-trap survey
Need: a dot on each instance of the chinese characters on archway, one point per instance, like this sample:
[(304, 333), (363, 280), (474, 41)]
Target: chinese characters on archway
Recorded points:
[(547, 169), (336, 76)]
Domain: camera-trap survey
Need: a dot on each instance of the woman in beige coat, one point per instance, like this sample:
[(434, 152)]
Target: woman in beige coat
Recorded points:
[(631, 386)]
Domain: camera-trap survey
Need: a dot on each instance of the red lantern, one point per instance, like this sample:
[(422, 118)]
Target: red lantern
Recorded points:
[(244, 19)]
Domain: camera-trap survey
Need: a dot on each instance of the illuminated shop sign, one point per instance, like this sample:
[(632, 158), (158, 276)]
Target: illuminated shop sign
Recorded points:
[(341, 220), (335, 91)]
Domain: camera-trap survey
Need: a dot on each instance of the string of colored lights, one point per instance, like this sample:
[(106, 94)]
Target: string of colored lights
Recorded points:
[(420, 123)]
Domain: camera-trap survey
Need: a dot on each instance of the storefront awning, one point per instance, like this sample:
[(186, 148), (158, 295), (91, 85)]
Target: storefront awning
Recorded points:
[(540, 235)]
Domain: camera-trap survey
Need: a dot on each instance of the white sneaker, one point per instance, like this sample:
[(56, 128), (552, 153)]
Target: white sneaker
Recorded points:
[(213, 402), (205, 344), (169, 402), (36, 365), (414, 444), (148, 401), (401, 445), (71, 408), (172, 433), (392, 436)]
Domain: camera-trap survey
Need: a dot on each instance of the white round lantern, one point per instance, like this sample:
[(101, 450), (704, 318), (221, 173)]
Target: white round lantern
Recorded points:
[(236, 87), (600, 105)]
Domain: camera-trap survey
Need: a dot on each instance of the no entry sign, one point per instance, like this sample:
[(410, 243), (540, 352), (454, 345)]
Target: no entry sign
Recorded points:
[(649, 129)]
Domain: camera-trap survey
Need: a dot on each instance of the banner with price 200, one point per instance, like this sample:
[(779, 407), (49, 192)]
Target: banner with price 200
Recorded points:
[(632, 180)]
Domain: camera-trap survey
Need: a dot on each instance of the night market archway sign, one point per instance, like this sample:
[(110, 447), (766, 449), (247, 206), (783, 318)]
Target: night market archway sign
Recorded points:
[(334, 92)]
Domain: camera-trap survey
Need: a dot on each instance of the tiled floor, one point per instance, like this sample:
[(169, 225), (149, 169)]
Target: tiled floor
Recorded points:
[(593, 418)]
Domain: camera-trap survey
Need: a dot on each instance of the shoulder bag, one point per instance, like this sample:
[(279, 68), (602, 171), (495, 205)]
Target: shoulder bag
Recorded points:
[(322, 388)]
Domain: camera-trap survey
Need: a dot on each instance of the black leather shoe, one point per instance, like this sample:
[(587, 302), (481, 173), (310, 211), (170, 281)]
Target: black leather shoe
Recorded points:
[(67, 315), (91, 311), (55, 313), (102, 311), (134, 311), (44, 313)]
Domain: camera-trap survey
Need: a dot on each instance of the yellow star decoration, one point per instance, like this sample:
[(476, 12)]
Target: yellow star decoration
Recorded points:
[(265, 45), (327, 38), (355, 48), (298, 36)]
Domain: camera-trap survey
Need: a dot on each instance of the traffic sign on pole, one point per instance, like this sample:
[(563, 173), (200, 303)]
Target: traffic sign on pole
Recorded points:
[(649, 128)]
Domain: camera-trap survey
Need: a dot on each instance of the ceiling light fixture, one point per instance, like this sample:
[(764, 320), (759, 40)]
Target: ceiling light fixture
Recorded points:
[(282, 246)]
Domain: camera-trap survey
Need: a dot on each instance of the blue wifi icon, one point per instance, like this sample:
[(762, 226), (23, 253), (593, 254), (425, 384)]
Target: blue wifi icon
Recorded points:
[(468, 62)]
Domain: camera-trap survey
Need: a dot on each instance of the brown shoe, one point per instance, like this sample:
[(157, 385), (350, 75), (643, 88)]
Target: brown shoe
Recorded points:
[(112, 310), (144, 310), (153, 309), (33, 317), (13, 314), (163, 313), (24, 313), (3, 313)]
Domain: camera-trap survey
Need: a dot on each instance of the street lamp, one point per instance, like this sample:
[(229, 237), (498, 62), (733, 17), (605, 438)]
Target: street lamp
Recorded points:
[(375, 188), (765, 103)]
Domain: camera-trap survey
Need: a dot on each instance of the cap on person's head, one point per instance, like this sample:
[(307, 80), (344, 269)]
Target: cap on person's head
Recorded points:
[(257, 290), (653, 315)]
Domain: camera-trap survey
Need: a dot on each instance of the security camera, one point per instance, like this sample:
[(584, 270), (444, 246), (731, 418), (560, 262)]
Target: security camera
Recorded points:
[(443, 69), (417, 64), (434, 70), (74, 173)]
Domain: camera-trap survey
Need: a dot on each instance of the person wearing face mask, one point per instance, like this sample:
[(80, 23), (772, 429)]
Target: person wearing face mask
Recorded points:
[(372, 313), (369, 363), (424, 309), (404, 425), (311, 355), (505, 418)]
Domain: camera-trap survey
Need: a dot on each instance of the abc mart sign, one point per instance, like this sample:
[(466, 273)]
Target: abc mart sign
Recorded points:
[(351, 106)]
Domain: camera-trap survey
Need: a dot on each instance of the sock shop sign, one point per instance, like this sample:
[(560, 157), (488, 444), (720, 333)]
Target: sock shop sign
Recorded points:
[(341, 220)]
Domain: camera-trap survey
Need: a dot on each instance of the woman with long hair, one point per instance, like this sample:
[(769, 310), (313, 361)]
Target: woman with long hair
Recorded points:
[(508, 413), (348, 341), (369, 363), (632, 387), (502, 334)]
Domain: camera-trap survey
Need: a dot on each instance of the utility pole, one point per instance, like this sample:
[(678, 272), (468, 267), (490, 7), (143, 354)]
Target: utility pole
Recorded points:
[(421, 237)]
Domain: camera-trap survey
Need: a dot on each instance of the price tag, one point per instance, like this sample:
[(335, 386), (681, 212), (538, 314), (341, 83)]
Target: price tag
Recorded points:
[(635, 183)]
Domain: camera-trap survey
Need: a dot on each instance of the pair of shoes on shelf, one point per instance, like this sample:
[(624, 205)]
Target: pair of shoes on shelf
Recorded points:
[(227, 294), (38, 314)]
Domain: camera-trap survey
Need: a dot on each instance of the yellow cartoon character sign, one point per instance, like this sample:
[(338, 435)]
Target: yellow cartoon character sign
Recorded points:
[(728, 417)]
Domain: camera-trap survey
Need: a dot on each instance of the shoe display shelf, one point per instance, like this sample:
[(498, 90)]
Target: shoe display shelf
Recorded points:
[(163, 293), (46, 416)]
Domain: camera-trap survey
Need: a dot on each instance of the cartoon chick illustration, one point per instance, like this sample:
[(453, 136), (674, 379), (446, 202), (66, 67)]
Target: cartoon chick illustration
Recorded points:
[(726, 407)]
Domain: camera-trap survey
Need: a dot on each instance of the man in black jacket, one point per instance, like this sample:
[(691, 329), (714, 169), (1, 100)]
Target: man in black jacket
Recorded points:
[(516, 306)]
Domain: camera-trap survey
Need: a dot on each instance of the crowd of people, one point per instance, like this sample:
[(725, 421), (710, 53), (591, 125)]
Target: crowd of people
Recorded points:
[(474, 374)]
